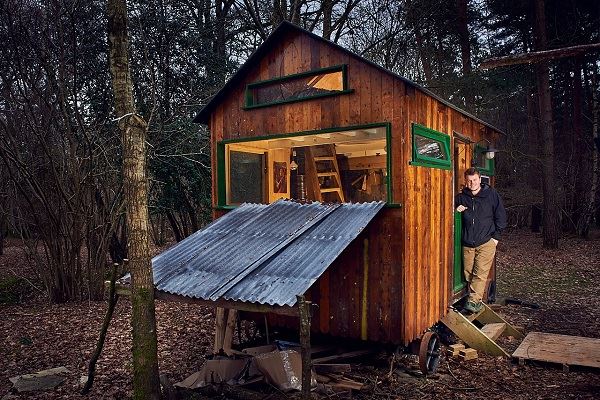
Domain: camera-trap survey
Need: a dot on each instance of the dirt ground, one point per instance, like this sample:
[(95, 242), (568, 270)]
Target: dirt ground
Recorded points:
[(35, 335)]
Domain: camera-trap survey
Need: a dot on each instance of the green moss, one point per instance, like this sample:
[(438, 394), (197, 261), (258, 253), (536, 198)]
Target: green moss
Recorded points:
[(145, 374)]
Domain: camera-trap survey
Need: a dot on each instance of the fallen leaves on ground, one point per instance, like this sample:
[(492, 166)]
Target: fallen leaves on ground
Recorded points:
[(35, 335)]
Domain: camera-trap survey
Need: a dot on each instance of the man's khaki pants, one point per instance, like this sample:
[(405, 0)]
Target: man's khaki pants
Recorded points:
[(477, 262)]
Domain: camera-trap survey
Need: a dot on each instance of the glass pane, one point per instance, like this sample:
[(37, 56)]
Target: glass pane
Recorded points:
[(246, 177), (430, 148), (298, 88), (480, 160)]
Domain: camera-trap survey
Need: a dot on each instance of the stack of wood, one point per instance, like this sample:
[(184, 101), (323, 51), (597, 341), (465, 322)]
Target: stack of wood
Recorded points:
[(459, 350), (331, 379)]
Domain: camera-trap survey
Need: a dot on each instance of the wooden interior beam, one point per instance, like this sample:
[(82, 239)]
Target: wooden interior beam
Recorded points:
[(369, 162)]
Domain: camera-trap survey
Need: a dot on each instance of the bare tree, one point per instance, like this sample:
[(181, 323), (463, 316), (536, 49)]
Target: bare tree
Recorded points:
[(54, 147)]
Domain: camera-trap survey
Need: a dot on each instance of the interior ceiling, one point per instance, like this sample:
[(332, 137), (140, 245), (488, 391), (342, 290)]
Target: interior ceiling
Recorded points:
[(354, 143)]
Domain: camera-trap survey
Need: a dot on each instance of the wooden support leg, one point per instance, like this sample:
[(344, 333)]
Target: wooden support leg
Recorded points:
[(228, 339), (304, 313), (219, 329)]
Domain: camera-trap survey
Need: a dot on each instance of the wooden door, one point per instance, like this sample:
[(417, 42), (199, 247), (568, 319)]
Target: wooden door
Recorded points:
[(461, 163)]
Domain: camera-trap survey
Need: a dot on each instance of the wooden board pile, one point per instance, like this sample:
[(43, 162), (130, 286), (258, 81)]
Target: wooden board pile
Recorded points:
[(332, 379), (459, 350)]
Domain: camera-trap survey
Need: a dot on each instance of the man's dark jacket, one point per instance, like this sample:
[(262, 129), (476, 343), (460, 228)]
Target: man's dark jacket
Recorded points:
[(484, 218)]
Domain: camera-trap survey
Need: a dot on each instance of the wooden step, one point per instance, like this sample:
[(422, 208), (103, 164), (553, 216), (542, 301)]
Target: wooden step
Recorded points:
[(316, 170), (483, 339), (489, 316), (475, 316), (471, 335), (494, 331)]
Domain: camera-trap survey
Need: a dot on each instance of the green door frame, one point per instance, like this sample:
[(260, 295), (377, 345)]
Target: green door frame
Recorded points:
[(458, 281)]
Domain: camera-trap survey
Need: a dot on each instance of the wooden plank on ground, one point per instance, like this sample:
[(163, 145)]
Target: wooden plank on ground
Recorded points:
[(329, 368), (560, 349)]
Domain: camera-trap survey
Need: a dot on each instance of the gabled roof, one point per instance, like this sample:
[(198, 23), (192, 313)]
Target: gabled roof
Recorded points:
[(203, 115), (266, 254)]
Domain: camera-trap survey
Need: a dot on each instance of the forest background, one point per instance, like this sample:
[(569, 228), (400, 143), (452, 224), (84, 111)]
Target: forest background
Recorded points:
[(60, 153)]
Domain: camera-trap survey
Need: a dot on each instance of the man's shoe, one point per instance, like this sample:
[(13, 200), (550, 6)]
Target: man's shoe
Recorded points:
[(473, 307)]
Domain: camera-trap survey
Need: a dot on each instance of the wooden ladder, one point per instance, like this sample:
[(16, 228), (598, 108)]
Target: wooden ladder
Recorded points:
[(325, 172), (483, 338)]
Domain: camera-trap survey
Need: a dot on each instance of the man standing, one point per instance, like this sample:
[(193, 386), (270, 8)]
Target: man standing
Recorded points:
[(483, 219)]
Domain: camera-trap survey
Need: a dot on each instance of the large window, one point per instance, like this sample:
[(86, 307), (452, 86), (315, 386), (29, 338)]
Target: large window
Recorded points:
[(338, 166), (430, 148), (319, 83)]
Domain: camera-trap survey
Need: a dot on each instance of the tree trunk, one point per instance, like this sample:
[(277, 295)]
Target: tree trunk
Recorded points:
[(551, 215), (425, 60), (585, 220), (135, 186), (279, 12), (533, 148), (462, 25), (462, 28), (220, 66), (175, 226), (579, 151), (327, 7)]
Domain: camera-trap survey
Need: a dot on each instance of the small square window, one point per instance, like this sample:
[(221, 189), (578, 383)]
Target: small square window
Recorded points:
[(430, 148)]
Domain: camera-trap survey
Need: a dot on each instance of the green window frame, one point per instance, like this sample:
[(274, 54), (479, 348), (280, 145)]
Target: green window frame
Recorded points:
[(419, 159), (489, 166), (252, 102), (221, 179)]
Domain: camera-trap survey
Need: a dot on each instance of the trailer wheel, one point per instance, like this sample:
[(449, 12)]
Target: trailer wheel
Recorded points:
[(429, 353)]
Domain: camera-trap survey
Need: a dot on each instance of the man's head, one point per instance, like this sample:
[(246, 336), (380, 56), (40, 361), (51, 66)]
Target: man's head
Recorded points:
[(473, 179)]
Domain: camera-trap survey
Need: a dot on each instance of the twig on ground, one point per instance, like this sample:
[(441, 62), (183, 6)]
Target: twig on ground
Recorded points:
[(451, 373)]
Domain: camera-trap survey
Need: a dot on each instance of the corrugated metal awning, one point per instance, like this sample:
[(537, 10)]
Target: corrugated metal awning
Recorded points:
[(266, 254)]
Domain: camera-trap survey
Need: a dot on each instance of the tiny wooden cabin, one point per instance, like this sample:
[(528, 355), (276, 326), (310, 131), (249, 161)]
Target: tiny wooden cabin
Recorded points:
[(306, 119)]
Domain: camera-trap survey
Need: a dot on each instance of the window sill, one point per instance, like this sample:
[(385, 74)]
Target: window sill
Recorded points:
[(430, 165)]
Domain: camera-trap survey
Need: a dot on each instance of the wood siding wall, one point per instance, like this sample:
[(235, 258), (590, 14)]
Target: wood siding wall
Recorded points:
[(410, 248)]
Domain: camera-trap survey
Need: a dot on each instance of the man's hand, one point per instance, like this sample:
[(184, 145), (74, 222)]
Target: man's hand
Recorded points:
[(461, 208)]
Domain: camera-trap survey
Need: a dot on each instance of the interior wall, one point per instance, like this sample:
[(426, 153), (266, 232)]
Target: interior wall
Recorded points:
[(278, 157)]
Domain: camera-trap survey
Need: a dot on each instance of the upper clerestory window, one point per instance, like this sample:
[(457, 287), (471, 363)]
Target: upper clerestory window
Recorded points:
[(323, 82)]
